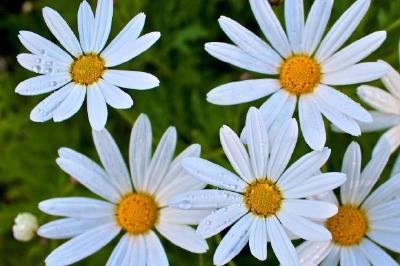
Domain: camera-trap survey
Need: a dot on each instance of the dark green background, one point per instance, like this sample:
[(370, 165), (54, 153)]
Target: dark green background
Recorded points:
[(28, 173)]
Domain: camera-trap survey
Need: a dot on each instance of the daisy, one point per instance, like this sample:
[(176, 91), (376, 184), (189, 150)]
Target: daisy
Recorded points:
[(134, 203), (305, 66), (387, 105), (365, 221), (263, 201), (85, 66)]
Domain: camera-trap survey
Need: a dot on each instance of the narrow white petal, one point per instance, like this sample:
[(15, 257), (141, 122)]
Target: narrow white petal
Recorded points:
[(352, 256), (354, 53), (313, 253), (161, 161), (358, 73), (42, 64), (221, 219), (391, 138), (311, 123), (389, 240), (342, 29), (392, 81), (316, 24), (351, 166), (114, 96), (396, 168), (96, 108), (62, 31), (379, 99), (328, 196), (242, 91), (102, 25), (112, 160), (156, 255), (294, 18), (71, 104), (384, 211), (258, 239), (131, 79), (270, 26), (333, 257), (183, 236), (283, 248), (380, 121), (316, 185), (120, 251), (129, 49), (275, 106), (375, 254), (310, 208), (213, 174), (282, 149), (136, 253), (85, 26), (177, 216), (83, 245), (234, 241), (42, 84)]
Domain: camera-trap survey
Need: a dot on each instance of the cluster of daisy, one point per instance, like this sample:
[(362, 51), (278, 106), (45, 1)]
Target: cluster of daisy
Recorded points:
[(266, 199)]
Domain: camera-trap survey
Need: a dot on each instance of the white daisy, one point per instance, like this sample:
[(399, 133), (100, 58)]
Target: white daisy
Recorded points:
[(85, 67), (387, 105), (135, 203), (305, 66), (365, 220), (263, 200)]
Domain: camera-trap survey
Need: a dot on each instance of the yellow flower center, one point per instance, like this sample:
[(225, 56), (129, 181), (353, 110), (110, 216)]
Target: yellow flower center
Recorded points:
[(300, 74), (87, 69), (137, 213), (263, 198), (348, 226)]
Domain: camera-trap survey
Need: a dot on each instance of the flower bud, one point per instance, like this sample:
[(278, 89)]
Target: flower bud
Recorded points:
[(25, 227)]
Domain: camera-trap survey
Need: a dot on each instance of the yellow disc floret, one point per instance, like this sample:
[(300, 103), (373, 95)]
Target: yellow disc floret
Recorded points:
[(300, 74), (348, 226), (263, 198), (87, 69), (137, 213)]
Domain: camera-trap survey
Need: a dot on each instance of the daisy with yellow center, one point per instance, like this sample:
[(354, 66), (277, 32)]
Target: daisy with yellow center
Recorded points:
[(84, 69), (263, 201), (366, 219), (305, 66), (135, 203)]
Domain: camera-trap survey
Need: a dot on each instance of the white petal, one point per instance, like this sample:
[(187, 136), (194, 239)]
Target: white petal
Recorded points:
[(391, 138), (38, 45), (42, 64), (233, 242), (303, 168), (354, 53), (384, 211), (45, 109), (282, 148), (221, 219), (352, 168), (83, 245), (317, 20), (161, 161), (136, 253), (316, 185), (114, 96), (188, 217), (250, 43), (131, 79), (392, 81), (358, 73), (102, 25), (333, 257), (96, 108), (130, 49), (311, 123), (155, 251), (70, 227), (183, 236), (283, 248), (242, 91), (62, 31), (233, 55), (396, 168), (379, 99), (389, 240), (213, 174), (270, 26), (275, 106), (380, 121), (342, 29), (112, 160), (236, 153), (42, 84), (310, 208), (76, 207), (85, 25), (311, 253), (71, 104), (327, 196), (205, 199), (120, 251), (375, 254), (258, 239), (126, 37), (294, 18), (389, 225), (352, 256)]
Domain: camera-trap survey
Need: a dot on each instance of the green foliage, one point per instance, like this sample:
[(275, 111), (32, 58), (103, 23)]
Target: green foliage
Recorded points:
[(28, 173)]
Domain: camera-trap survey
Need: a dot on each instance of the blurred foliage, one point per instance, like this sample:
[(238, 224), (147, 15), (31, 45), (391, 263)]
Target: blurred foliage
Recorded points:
[(28, 173)]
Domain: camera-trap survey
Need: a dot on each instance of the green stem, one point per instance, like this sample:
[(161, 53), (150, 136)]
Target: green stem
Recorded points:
[(393, 26), (201, 260)]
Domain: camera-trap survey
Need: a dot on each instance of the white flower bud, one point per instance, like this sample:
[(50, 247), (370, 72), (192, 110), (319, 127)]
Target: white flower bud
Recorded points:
[(25, 227)]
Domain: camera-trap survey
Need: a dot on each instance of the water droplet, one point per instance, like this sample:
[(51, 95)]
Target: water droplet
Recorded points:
[(49, 63), (53, 83), (42, 51), (38, 60), (48, 70), (36, 68), (208, 222), (185, 205)]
